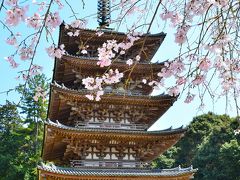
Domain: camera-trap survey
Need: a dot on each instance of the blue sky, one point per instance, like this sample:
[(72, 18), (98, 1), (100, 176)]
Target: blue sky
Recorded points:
[(179, 114)]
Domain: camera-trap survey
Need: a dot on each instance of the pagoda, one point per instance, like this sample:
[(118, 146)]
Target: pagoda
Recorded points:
[(106, 139)]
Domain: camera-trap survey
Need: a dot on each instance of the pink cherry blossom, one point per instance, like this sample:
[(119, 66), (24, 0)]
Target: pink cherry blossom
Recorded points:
[(78, 24), (174, 17), (138, 58), (173, 91), (35, 21), (92, 83), (35, 70), (90, 97), (26, 53), (129, 62), (11, 61), (56, 52), (181, 34), (144, 81), (99, 33), (112, 76), (198, 80), (205, 64), (41, 5), (70, 34), (76, 33), (181, 80), (11, 2), (53, 20), (15, 15), (12, 40), (189, 98), (84, 51), (39, 94), (98, 95), (59, 3), (173, 68)]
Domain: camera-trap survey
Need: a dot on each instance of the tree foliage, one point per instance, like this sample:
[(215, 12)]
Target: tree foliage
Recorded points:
[(21, 132), (209, 145)]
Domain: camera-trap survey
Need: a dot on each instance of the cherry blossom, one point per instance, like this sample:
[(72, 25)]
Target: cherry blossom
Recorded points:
[(205, 64), (26, 53), (129, 62), (92, 83), (98, 95), (16, 15), (84, 51), (109, 50), (90, 97), (144, 81), (138, 58), (181, 34), (34, 21), (173, 91), (56, 52), (39, 94), (189, 98), (174, 17), (12, 40), (35, 70), (53, 20), (198, 80), (99, 33), (11, 61), (11, 2), (78, 24), (112, 76)]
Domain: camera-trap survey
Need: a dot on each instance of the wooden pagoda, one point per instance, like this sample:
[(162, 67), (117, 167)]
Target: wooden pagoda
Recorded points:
[(106, 139)]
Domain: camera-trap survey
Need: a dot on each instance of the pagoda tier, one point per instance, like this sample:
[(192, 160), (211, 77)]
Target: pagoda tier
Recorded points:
[(71, 107), (60, 173), (105, 147), (70, 70), (149, 43)]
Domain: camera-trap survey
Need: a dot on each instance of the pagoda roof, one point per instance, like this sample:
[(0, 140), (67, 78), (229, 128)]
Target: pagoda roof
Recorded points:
[(150, 41), (168, 131), (87, 66), (108, 33), (155, 106), (121, 96), (139, 173), (160, 141), (91, 62)]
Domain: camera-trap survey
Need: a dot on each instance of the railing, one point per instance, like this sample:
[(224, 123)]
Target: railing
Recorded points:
[(112, 125), (120, 92), (108, 164)]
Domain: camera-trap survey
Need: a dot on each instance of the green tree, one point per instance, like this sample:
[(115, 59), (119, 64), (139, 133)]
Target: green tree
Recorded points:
[(21, 132), (209, 145), (34, 114), (167, 160), (12, 140)]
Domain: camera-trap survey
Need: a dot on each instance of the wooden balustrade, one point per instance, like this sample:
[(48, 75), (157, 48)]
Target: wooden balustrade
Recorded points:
[(109, 164), (112, 125)]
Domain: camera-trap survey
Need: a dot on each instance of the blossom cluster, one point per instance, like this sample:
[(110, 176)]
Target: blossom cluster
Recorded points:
[(40, 93), (56, 52), (111, 48), (96, 84)]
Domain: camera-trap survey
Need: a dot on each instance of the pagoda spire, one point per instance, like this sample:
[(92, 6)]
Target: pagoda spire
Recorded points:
[(103, 13)]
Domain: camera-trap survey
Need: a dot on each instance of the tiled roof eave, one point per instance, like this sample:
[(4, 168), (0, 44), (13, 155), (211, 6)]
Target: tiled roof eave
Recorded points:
[(180, 130), (123, 172), (111, 32), (62, 88)]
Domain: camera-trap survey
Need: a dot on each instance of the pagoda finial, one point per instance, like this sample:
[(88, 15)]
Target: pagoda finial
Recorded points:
[(103, 13)]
